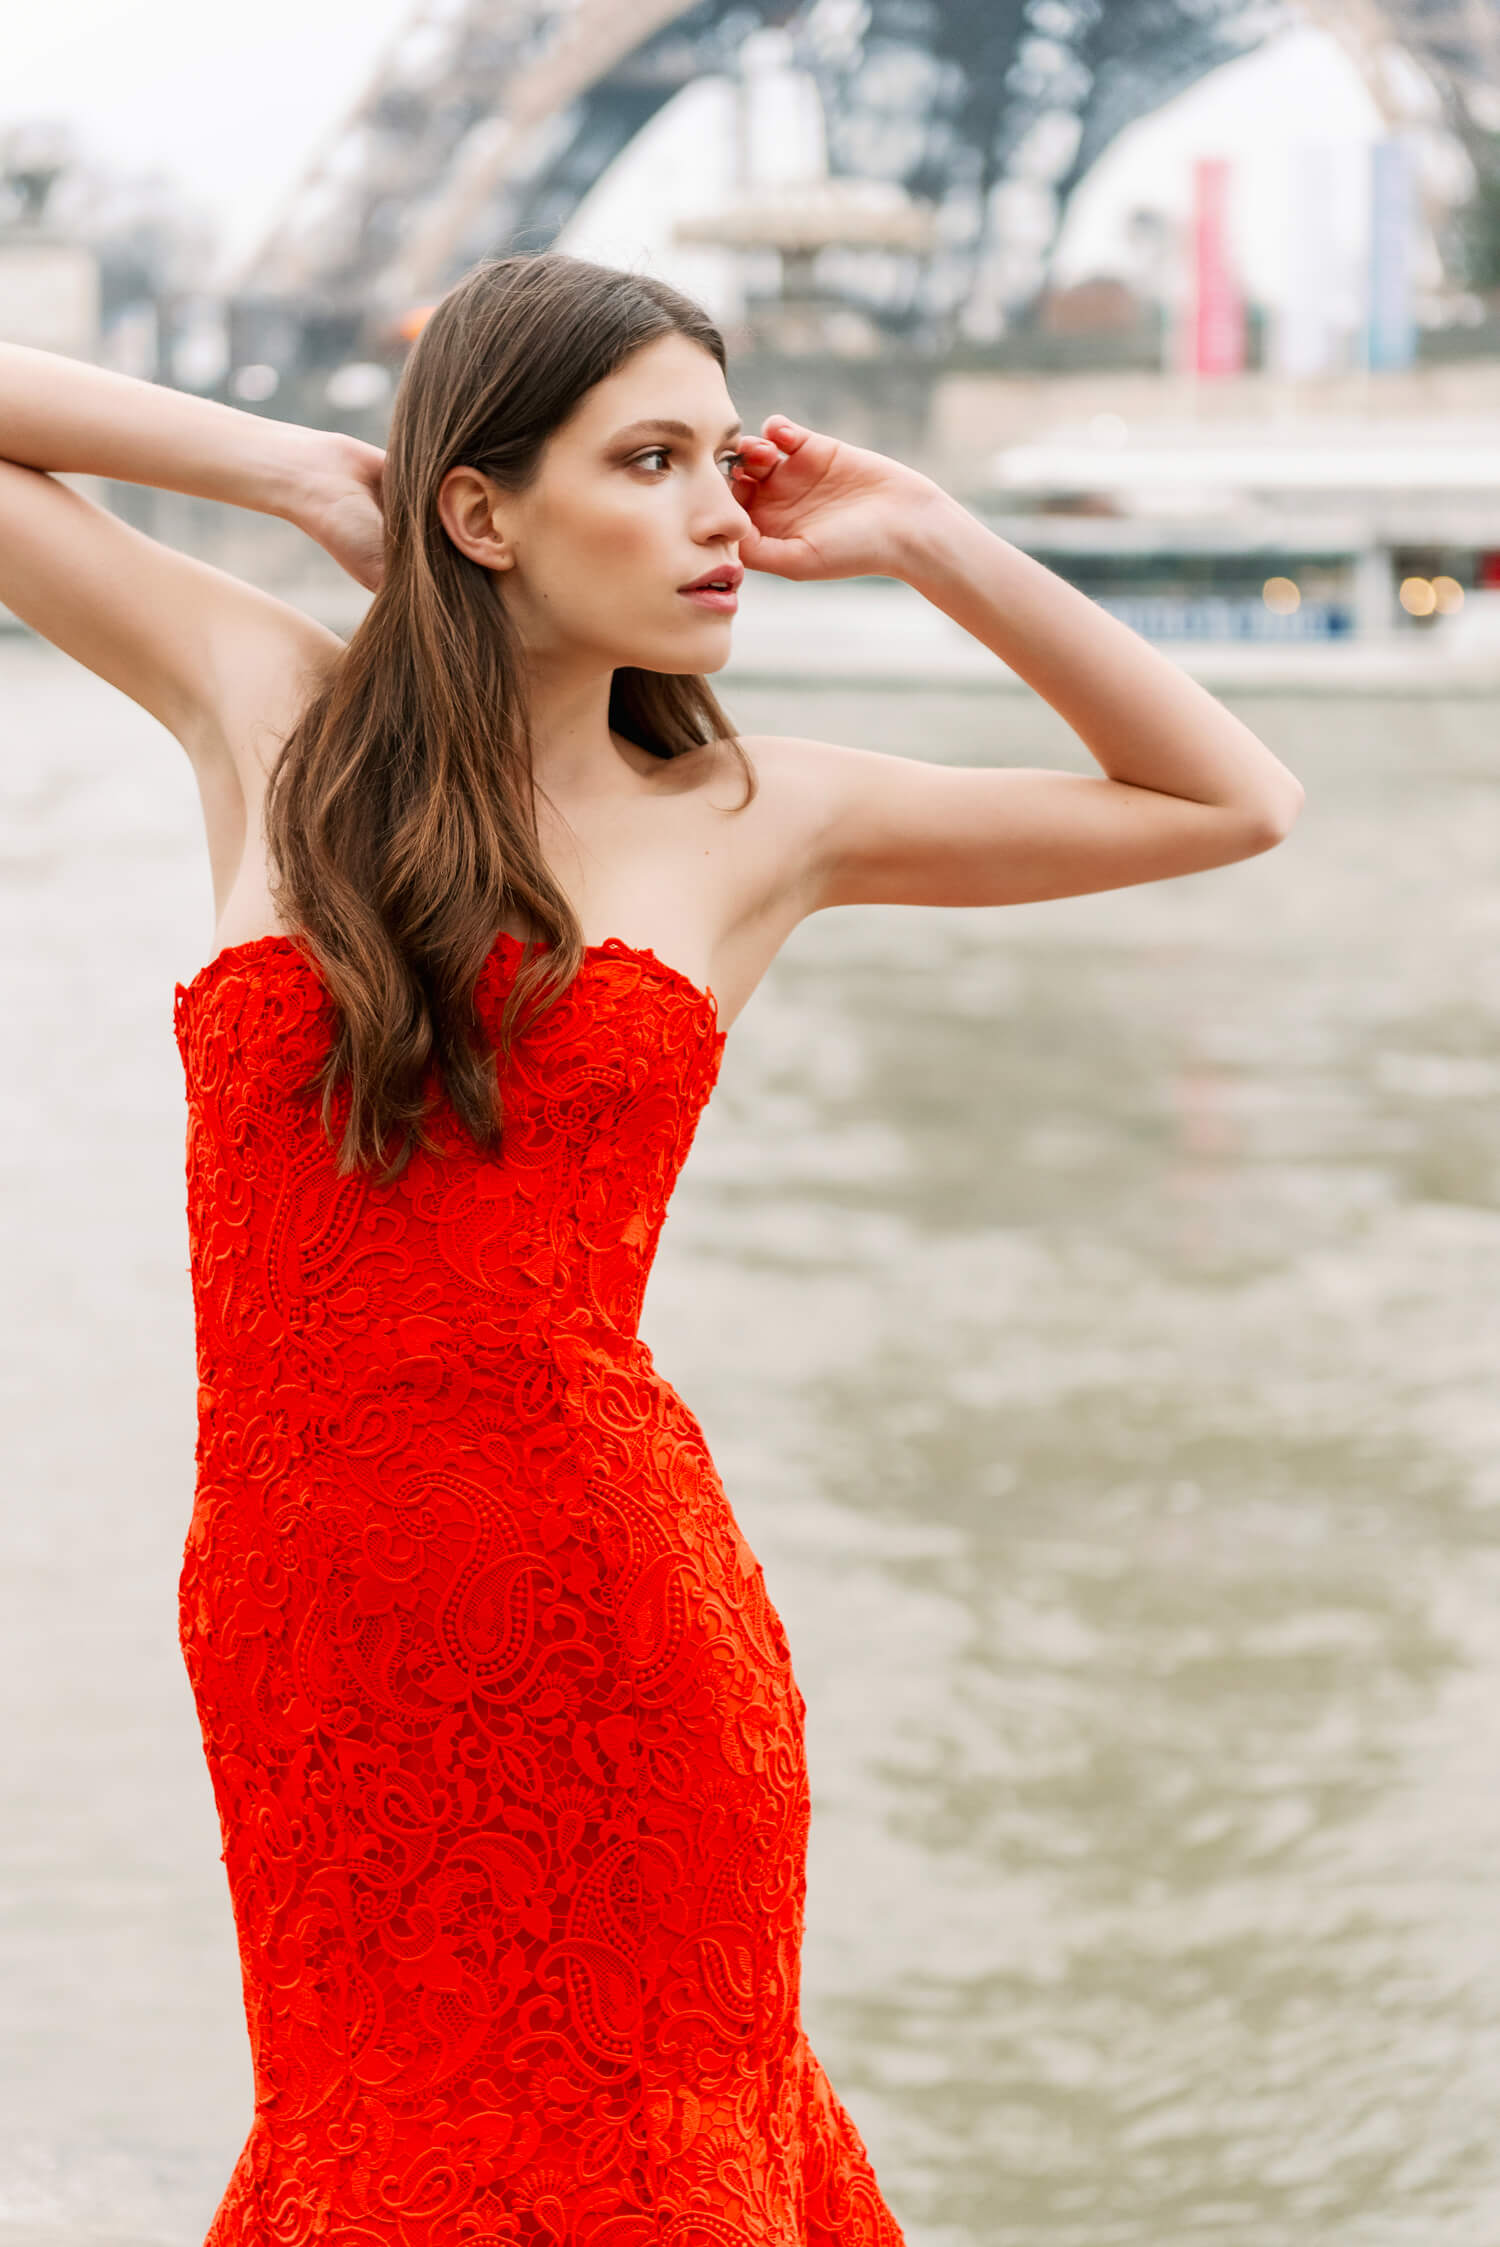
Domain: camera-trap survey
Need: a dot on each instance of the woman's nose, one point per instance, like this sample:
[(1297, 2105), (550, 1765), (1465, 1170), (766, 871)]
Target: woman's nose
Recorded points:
[(728, 519)]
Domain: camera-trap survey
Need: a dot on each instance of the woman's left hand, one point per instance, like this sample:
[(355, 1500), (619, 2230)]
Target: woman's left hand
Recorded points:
[(821, 508)]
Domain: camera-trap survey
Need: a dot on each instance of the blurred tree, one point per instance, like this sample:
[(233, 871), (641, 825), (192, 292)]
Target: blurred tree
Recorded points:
[(151, 239), (34, 155), (1476, 223)]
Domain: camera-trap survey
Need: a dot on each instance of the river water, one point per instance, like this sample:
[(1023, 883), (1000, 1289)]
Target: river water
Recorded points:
[(1093, 1310)]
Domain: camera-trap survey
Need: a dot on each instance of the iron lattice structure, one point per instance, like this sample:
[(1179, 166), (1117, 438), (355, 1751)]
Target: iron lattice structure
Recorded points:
[(487, 121)]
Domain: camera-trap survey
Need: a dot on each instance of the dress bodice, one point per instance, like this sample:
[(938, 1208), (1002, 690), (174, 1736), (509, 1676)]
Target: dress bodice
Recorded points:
[(557, 1228)]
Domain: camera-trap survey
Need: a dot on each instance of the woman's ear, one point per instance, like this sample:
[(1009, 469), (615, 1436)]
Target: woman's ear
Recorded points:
[(472, 511)]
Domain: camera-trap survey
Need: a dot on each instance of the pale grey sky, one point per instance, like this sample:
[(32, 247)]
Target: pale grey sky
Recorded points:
[(230, 100), (232, 103)]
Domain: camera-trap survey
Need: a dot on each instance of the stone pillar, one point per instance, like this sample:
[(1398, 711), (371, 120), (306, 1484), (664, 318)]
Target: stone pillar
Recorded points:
[(49, 293)]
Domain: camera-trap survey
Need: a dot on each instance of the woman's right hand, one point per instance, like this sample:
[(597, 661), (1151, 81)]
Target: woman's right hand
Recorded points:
[(340, 509)]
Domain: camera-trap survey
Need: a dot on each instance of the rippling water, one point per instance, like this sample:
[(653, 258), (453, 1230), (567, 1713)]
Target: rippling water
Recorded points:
[(1092, 1307)]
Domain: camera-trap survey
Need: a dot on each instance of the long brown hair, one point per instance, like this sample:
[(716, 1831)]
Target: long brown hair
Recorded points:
[(401, 817)]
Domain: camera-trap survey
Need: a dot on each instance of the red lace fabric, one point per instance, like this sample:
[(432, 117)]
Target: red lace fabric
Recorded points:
[(502, 1728)]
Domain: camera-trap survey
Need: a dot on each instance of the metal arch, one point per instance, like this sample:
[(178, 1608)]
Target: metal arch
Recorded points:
[(531, 210), (996, 67), (1457, 45), (1142, 54), (467, 93), (486, 121)]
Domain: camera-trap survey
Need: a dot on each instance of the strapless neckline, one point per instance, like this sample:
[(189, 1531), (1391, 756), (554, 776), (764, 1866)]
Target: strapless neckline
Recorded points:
[(277, 941)]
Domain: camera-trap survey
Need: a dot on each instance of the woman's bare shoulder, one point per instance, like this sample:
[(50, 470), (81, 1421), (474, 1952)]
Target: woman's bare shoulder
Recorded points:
[(783, 761), (801, 781)]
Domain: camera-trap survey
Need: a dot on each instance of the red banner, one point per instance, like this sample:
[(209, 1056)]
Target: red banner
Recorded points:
[(1218, 326)]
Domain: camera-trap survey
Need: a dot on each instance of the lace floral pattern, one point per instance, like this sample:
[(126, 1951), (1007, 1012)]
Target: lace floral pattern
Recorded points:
[(502, 1727)]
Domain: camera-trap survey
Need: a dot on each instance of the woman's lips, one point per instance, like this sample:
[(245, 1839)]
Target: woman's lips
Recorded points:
[(716, 589)]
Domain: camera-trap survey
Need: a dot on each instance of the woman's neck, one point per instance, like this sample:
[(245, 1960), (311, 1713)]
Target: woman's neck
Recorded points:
[(573, 752)]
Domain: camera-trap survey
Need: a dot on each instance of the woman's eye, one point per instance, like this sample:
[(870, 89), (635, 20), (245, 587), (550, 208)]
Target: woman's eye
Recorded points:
[(659, 457)]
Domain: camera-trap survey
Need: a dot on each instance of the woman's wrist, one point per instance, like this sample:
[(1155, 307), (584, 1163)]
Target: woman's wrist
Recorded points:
[(308, 471), (281, 468), (921, 532)]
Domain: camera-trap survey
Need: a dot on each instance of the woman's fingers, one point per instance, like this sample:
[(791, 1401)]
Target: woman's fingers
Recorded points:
[(777, 557), (758, 456), (787, 434)]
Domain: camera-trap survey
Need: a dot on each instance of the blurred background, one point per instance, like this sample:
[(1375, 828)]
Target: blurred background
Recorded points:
[(1200, 303), (1091, 1305)]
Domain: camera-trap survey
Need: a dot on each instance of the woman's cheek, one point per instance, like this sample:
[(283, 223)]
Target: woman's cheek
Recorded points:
[(629, 535)]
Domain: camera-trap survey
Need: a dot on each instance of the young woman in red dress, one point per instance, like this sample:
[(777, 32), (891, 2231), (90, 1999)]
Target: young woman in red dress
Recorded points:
[(504, 1736)]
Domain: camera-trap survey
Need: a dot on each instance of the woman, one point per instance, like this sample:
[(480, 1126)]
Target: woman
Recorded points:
[(504, 1737)]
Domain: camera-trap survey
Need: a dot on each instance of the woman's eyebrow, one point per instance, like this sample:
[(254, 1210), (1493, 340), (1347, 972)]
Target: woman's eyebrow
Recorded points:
[(660, 426)]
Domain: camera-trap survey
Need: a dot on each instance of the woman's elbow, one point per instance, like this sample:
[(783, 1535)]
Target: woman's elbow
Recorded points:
[(1270, 818)]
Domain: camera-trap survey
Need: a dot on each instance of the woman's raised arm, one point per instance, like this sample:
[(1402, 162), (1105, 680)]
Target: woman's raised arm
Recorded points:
[(1183, 784), (154, 622), (223, 665), (64, 415)]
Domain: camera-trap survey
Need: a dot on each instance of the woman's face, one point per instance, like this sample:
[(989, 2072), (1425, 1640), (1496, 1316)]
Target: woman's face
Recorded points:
[(631, 505)]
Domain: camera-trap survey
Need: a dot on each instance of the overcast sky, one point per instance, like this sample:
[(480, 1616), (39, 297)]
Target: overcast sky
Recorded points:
[(229, 99), (232, 102)]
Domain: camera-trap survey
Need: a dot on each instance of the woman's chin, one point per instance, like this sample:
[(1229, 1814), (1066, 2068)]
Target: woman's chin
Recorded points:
[(707, 648)]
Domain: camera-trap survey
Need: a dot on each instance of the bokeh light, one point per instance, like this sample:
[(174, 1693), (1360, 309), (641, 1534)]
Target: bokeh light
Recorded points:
[(1418, 596), (252, 385)]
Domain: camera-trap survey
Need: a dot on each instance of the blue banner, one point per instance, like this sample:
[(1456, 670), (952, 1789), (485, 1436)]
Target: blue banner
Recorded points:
[(1391, 340)]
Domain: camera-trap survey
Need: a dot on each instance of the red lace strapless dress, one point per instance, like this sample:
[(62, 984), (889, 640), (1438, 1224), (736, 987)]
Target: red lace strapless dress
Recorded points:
[(503, 1733)]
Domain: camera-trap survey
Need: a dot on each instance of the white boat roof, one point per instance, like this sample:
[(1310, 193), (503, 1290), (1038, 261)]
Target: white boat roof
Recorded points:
[(1319, 463)]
